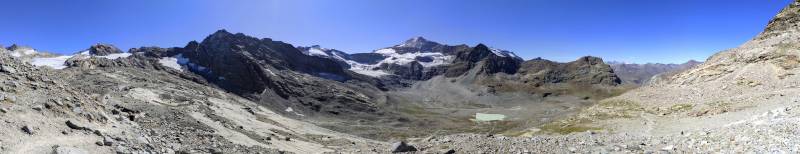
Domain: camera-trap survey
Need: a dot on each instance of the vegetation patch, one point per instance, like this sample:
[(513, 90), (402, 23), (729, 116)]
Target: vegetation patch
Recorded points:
[(681, 107), (565, 128)]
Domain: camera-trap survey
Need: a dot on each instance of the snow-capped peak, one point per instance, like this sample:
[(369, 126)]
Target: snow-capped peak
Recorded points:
[(316, 51), (417, 42), (19, 51), (503, 53)]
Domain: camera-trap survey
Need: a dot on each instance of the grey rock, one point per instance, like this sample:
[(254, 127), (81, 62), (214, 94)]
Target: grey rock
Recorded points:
[(8, 69), (108, 141), (76, 125), (402, 147), (28, 130), (37, 107), (103, 49)]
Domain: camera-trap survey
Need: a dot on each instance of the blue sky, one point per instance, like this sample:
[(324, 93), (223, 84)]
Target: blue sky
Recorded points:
[(622, 30)]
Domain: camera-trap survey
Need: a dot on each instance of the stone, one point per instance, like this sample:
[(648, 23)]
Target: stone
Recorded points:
[(103, 49), (108, 141), (121, 149), (37, 107), (69, 150), (27, 129), (8, 69), (75, 125), (402, 147)]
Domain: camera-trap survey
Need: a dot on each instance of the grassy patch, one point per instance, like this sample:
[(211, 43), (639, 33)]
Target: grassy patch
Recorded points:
[(681, 107), (565, 128)]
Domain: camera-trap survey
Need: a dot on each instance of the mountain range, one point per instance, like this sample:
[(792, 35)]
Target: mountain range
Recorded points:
[(234, 93)]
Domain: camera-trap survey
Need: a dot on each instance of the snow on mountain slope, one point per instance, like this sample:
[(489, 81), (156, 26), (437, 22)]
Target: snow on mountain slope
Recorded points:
[(504, 53), (316, 51), (59, 61), (426, 53), (432, 58), (52, 62), (176, 62)]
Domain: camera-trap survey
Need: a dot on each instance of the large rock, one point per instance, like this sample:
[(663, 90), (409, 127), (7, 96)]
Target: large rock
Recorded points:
[(103, 49), (402, 147)]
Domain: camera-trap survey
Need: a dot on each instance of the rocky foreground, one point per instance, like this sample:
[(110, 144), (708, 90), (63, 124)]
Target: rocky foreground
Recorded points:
[(144, 110)]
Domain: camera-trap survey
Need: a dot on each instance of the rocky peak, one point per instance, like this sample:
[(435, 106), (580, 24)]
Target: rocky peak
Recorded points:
[(245, 64), (220, 34), (785, 21), (584, 70), (103, 49), (482, 57), (14, 47), (591, 60), (418, 42)]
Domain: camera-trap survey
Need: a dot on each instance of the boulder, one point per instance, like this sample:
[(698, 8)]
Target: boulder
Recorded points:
[(103, 49), (402, 147), (8, 69)]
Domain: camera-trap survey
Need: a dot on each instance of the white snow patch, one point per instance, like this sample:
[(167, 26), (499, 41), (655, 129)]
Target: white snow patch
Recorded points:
[(22, 52), (386, 51), (401, 59), (316, 51), (503, 53), (170, 62), (392, 57), (290, 110), (59, 62), (373, 73), (28, 51), (52, 62), (270, 72), (115, 56)]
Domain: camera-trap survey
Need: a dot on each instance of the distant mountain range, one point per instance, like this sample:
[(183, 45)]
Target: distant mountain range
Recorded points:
[(322, 84), (639, 74)]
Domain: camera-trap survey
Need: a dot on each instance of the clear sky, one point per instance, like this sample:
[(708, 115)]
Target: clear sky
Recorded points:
[(639, 31)]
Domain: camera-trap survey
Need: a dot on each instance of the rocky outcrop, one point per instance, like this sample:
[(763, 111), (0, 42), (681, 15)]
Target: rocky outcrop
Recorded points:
[(776, 47), (248, 64), (585, 71), (782, 24), (483, 58), (103, 49)]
